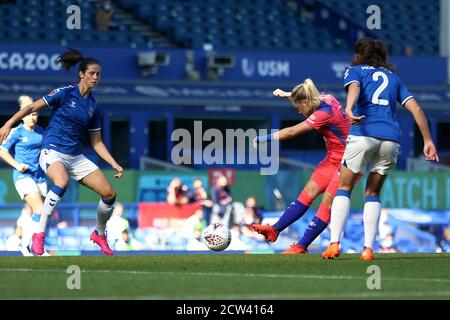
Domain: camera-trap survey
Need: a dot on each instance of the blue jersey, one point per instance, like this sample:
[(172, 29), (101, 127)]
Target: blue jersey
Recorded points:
[(380, 91), (72, 115), (25, 146)]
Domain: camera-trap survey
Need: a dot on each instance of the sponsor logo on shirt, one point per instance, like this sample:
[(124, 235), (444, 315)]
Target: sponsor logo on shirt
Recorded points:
[(58, 90), (53, 92), (312, 118)]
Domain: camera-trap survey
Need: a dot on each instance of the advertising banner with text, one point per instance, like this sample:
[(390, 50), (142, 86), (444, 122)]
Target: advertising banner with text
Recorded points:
[(270, 67)]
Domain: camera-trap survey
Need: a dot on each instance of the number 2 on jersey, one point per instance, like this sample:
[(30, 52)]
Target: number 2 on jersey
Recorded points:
[(384, 84)]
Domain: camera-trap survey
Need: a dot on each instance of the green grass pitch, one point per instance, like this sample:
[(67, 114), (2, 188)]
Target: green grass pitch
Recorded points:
[(226, 276)]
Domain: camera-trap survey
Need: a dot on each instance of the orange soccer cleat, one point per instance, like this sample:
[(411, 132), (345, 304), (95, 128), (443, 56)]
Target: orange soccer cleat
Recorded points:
[(367, 254), (295, 248), (267, 231), (332, 251)]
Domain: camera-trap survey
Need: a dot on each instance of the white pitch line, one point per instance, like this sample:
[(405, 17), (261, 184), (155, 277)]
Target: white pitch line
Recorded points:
[(284, 295), (227, 274), (281, 296)]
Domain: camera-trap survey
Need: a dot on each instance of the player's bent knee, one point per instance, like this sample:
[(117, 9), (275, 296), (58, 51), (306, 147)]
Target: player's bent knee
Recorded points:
[(62, 182), (109, 194)]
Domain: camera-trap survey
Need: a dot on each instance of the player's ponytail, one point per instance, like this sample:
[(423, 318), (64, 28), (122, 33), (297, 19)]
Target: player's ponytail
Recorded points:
[(24, 101), (72, 56), (307, 92)]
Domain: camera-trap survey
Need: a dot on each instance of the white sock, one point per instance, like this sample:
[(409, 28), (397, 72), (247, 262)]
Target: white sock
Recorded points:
[(371, 217), (28, 229), (36, 218), (339, 213), (104, 212), (50, 203)]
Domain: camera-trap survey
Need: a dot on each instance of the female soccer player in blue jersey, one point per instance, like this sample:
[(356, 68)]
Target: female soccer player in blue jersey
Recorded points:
[(372, 94), (74, 111), (24, 142)]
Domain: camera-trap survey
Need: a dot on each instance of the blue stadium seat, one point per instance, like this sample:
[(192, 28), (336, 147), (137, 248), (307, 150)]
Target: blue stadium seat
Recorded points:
[(413, 23), (413, 20)]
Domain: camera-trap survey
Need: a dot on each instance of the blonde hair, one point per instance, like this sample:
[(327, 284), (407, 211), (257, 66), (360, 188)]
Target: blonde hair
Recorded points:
[(307, 92), (25, 101)]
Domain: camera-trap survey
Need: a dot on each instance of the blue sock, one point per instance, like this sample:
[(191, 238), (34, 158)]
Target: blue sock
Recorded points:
[(292, 213), (312, 232), (36, 217), (58, 190)]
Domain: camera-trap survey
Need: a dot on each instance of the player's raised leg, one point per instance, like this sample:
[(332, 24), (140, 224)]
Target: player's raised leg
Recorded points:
[(322, 217), (292, 213), (318, 183), (316, 226)]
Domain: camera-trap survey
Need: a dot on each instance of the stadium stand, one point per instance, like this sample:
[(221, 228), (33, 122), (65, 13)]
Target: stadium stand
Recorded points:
[(265, 25), (287, 25), (413, 24), (250, 24), (40, 21)]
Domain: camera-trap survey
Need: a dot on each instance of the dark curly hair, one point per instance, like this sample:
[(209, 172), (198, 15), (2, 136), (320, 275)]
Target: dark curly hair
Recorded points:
[(372, 52)]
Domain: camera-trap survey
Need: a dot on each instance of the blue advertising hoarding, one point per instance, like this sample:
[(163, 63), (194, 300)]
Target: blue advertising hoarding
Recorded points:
[(327, 68), (265, 67), (203, 93), (118, 63)]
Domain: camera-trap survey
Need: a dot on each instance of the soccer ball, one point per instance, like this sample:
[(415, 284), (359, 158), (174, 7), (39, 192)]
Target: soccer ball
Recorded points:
[(216, 236)]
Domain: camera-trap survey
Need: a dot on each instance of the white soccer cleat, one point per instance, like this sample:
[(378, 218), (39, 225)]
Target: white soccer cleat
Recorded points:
[(25, 251)]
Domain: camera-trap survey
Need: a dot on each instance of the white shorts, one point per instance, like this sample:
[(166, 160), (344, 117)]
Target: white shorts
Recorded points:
[(380, 155), (77, 167), (27, 186)]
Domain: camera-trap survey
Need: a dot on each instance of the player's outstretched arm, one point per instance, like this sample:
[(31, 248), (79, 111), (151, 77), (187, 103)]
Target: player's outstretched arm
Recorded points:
[(34, 107), (281, 93), (102, 151), (429, 149), (284, 134), (292, 132)]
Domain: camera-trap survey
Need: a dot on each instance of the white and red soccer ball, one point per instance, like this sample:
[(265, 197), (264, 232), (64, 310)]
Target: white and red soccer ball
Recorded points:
[(217, 236)]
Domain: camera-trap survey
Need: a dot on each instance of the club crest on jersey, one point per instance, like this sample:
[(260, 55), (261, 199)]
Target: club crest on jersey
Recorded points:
[(72, 104)]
